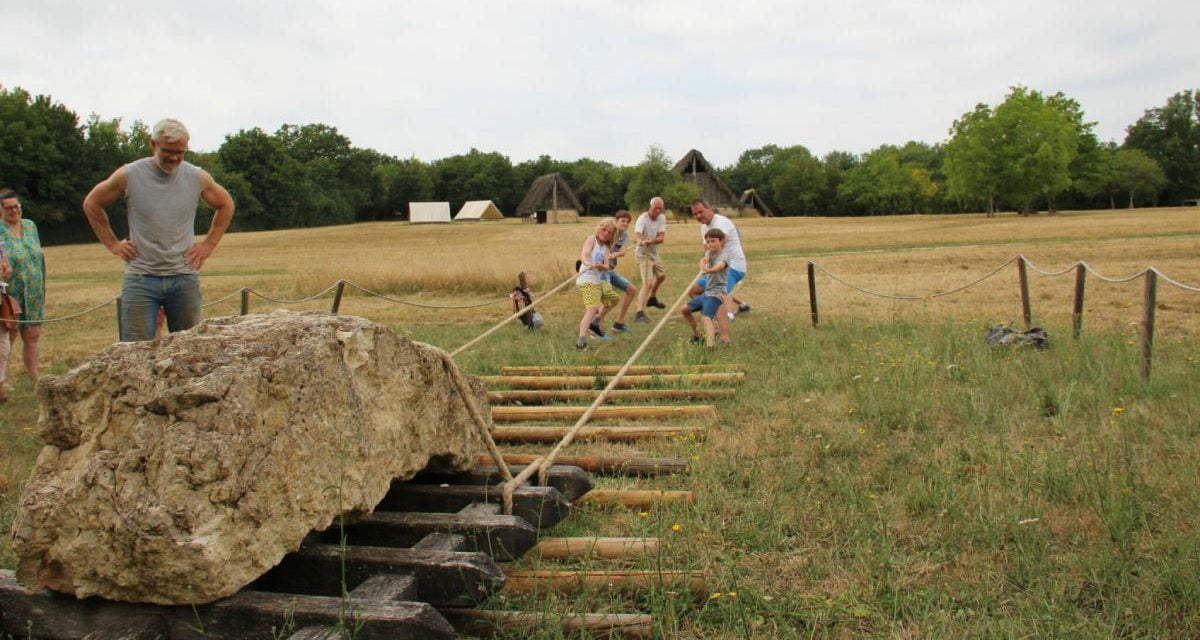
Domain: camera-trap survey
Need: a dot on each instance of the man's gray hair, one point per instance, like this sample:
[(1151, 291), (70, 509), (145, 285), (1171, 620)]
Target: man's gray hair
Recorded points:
[(169, 129)]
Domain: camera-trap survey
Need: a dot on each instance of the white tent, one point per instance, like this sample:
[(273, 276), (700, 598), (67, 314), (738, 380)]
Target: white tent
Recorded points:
[(419, 212), (479, 210)]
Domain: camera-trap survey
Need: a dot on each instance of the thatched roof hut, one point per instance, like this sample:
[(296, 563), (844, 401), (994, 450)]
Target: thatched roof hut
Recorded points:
[(751, 200), (549, 193), (695, 169)]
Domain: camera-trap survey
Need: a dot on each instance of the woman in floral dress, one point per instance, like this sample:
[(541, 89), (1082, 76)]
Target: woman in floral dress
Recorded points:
[(27, 284)]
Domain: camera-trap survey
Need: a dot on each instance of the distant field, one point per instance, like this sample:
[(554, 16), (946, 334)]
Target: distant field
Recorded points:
[(884, 475)]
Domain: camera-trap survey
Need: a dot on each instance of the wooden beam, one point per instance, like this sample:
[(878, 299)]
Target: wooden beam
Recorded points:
[(570, 481), (254, 614), (594, 548), (605, 465), (504, 537), (548, 396), (540, 506), (444, 578), (387, 587), (143, 628), (637, 498), (573, 581), (49, 615), (605, 370), (614, 434), (483, 623), (654, 412), (626, 382)]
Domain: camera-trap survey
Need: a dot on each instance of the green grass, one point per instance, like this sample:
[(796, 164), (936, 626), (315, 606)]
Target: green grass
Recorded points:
[(895, 479)]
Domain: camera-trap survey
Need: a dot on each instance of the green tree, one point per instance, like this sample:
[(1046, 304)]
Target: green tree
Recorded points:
[(972, 167), (1171, 136), (836, 164), (476, 175), (595, 183), (1135, 173), (277, 181), (653, 177), (43, 155), (798, 183), (881, 183), (401, 182)]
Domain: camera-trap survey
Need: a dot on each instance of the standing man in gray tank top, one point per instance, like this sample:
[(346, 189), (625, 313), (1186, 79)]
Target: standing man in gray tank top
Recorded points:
[(162, 257)]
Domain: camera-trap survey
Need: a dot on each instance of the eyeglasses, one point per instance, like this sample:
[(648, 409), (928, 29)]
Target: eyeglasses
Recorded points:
[(12, 207), (172, 153)]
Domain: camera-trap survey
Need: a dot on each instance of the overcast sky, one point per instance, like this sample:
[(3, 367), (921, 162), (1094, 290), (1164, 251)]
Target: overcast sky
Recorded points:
[(597, 78)]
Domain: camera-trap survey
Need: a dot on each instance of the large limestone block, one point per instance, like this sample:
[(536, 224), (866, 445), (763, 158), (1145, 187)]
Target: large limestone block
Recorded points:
[(178, 471)]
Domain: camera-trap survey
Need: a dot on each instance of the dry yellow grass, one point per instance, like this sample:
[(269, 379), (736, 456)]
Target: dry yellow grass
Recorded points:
[(469, 263)]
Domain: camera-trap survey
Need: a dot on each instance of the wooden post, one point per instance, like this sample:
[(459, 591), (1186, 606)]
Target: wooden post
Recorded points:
[(637, 498), (1148, 322), (812, 291), (245, 301), (120, 325), (594, 548), (645, 412), (337, 296), (1023, 274), (1077, 313)]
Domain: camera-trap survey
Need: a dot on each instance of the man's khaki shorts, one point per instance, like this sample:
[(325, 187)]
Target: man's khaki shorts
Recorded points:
[(651, 269)]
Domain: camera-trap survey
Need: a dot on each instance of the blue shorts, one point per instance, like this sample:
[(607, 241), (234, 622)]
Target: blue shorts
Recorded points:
[(618, 281), (733, 276), (708, 306)]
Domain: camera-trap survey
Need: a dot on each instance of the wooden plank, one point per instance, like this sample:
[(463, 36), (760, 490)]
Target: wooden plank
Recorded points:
[(613, 434), (503, 537), (588, 548), (637, 412), (599, 382), (542, 507), (138, 628), (387, 587), (444, 578), (316, 633), (50, 616), (574, 581), (484, 623), (605, 465), (637, 498), (549, 396), (442, 542), (570, 481), (609, 370), (254, 614)]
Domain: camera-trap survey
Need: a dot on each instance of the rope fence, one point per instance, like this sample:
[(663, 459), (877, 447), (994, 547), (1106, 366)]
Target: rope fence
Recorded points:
[(1151, 275)]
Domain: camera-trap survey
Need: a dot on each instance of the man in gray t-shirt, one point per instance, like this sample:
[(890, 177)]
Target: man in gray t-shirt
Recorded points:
[(162, 257), (649, 232)]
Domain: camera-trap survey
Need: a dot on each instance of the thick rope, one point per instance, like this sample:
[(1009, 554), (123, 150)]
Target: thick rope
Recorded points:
[(308, 299), (509, 319), (460, 383), (542, 465), (70, 317), (908, 297)]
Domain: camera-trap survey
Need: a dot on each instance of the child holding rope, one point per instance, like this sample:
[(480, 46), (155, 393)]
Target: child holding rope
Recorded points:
[(598, 295), (620, 246), (714, 265)]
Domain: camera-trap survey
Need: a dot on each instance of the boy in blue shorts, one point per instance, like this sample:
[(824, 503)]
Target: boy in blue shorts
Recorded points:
[(715, 267), (620, 245)]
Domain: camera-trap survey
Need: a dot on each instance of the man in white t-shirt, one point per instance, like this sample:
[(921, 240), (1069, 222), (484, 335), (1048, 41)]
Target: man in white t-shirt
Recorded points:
[(649, 232), (733, 248)]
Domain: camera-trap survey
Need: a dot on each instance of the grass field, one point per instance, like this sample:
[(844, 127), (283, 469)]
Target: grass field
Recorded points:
[(884, 475)]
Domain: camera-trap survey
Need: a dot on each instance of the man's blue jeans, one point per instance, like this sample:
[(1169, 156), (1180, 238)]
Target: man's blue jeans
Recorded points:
[(142, 297)]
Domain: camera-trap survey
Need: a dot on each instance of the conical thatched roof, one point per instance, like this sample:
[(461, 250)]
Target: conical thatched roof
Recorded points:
[(694, 168), (541, 194), (750, 199)]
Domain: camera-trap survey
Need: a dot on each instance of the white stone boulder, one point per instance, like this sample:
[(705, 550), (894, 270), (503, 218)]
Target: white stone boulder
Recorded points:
[(179, 470)]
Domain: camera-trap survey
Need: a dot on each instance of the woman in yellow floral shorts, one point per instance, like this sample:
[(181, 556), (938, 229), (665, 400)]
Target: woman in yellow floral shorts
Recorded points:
[(598, 295)]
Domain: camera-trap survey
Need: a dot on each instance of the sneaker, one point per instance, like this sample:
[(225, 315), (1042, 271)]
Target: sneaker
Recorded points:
[(653, 302), (697, 340), (641, 317), (581, 344), (744, 307), (620, 327), (731, 315), (595, 329)]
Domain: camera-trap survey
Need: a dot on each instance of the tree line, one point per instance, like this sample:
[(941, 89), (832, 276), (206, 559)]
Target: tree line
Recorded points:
[(1030, 151)]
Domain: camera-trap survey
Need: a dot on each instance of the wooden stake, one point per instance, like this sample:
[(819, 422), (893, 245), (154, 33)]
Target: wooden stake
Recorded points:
[(812, 292), (605, 465), (337, 296), (245, 301), (1077, 309), (588, 382), (594, 548), (636, 498), (1148, 322), (612, 434), (1023, 276), (547, 396), (604, 370), (526, 414)]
